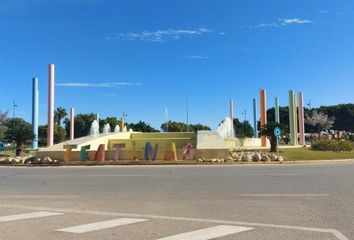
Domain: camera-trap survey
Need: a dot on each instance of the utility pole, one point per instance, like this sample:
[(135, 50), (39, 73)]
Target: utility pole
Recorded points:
[(187, 113)]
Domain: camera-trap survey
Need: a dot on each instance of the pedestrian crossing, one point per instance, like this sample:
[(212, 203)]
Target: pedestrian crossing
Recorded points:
[(112, 225), (101, 225)]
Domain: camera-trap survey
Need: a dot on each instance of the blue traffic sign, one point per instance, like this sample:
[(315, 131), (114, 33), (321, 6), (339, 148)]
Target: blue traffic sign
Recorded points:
[(277, 132)]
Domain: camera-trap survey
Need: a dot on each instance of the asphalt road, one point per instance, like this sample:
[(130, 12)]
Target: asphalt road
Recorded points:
[(314, 201)]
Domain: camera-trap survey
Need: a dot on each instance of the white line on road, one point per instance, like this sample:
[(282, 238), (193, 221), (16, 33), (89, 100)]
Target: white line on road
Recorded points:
[(28, 216), (286, 195), (101, 225), (38, 196), (335, 232), (208, 233)]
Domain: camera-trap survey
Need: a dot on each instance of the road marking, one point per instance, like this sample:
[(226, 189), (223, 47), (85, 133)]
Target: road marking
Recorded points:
[(101, 225), (24, 216), (208, 233), (335, 232), (37, 196), (285, 195)]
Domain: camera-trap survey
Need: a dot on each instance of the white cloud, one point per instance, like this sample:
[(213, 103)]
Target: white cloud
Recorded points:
[(288, 21), (96, 85), (161, 35), (282, 23), (198, 57)]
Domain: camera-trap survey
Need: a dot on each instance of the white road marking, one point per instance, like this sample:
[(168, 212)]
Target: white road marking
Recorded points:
[(24, 216), (38, 196), (335, 232), (208, 233), (101, 225), (286, 195)]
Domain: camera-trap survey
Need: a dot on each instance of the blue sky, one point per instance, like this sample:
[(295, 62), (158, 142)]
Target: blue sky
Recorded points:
[(140, 57)]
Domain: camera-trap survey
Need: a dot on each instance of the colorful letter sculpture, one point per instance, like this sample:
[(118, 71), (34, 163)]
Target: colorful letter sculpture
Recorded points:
[(100, 154), (83, 153), (134, 154), (170, 152), (67, 155), (188, 151), (150, 152), (118, 147)]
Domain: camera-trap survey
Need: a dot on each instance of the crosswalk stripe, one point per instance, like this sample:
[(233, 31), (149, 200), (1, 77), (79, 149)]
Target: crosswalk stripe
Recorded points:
[(208, 233), (101, 225), (28, 216)]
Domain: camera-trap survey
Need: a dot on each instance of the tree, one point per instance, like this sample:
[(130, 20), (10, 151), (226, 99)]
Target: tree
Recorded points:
[(3, 128), (112, 121), (59, 134), (20, 132), (82, 123), (242, 129), (320, 121), (142, 127), (59, 114), (172, 126), (268, 131)]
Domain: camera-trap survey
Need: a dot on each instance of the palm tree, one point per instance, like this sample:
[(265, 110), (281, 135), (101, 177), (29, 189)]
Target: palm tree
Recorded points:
[(59, 114)]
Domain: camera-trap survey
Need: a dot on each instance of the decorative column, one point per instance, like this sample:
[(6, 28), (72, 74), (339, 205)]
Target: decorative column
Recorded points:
[(296, 141), (72, 131), (35, 102), (50, 129), (255, 124), (300, 100), (292, 118), (276, 108), (263, 108), (232, 117), (122, 124)]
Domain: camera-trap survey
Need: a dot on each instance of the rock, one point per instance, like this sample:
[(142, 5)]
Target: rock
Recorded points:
[(273, 157), (47, 160), (234, 155), (257, 157), (29, 160), (229, 159), (247, 157), (200, 160), (265, 158), (222, 160), (280, 159), (214, 160)]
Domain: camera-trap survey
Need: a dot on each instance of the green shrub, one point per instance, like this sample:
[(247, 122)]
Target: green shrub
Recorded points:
[(335, 146)]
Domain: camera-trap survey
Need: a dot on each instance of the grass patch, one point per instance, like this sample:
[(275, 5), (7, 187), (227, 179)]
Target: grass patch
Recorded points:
[(298, 154), (8, 153)]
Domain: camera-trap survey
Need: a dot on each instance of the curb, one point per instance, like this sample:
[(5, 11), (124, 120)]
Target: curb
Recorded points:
[(177, 163)]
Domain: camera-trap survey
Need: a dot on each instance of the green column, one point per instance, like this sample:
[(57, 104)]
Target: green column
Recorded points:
[(277, 117), (291, 117)]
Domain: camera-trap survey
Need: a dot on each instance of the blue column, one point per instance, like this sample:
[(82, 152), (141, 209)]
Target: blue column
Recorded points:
[(255, 130), (276, 107), (35, 102)]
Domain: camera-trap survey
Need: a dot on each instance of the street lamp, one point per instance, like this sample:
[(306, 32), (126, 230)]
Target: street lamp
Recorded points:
[(13, 109)]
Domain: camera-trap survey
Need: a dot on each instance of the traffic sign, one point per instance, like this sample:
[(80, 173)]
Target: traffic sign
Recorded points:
[(277, 132)]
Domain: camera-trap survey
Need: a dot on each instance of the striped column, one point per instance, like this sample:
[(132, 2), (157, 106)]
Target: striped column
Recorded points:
[(255, 124), (263, 110), (276, 108), (72, 123), (35, 102), (300, 100), (50, 129)]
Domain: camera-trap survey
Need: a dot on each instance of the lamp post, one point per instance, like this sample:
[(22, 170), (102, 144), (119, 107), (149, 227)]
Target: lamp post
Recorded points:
[(187, 112), (14, 105)]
